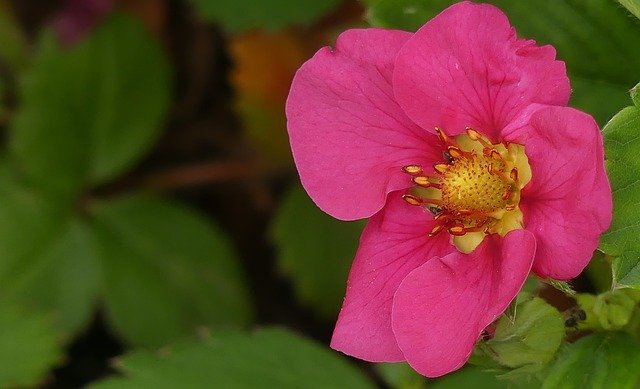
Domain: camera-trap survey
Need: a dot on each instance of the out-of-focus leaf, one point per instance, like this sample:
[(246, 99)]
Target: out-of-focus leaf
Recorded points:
[(28, 347), (90, 112), (62, 277), (586, 92), (166, 271), (29, 222), (600, 360), (621, 240), (315, 250), (401, 376), (586, 33), (270, 358), (13, 45), (45, 261), (632, 5), (241, 15)]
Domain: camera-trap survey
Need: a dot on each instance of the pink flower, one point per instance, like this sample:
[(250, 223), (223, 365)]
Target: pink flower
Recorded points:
[(457, 142)]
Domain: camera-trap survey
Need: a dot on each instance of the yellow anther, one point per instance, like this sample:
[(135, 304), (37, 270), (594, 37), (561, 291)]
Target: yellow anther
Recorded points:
[(412, 169), (473, 134), (442, 136), (441, 168), (411, 199), (436, 230), (458, 230), (514, 174), (455, 152)]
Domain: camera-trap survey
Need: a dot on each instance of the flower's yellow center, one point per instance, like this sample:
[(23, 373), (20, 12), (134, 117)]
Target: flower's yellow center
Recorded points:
[(475, 191)]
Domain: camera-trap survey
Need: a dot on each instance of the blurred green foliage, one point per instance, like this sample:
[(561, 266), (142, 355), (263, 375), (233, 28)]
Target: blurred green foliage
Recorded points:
[(152, 247), (159, 268), (267, 358), (241, 15), (28, 346), (315, 250), (87, 114)]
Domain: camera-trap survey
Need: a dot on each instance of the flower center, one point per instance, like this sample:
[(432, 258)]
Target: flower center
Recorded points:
[(475, 191)]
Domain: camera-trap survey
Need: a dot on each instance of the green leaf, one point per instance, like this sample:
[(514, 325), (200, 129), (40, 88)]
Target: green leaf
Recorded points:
[(562, 286), (403, 14), (315, 251), (586, 33), (166, 271), (529, 342), (62, 278), (632, 5), (600, 360), (635, 95), (89, 113), (45, 261), (621, 240), (241, 15), (269, 358), (28, 347), (401, 376), (476, 378), (28, 220)]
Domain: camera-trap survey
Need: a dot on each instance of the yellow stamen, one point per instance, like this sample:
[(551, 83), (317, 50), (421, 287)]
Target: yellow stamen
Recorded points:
[(477, 189)]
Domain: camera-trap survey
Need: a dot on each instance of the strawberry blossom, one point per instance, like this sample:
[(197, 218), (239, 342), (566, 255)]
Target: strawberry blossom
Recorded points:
[(457, 142)]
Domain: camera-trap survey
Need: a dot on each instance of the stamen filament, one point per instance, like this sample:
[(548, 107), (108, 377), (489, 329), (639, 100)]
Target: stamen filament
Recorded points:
[(444, 138), (425, 182), (514, 174), (456, 153), (413, 200), (436, 230), (457, 230)]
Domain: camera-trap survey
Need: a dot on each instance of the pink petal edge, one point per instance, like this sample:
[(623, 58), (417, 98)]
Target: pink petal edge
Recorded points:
[(394, 242), (466, 68), (349, 137), (442, 307), (568, 203)]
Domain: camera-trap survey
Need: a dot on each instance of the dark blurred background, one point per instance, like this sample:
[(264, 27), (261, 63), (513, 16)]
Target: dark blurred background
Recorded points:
[(222, 148)]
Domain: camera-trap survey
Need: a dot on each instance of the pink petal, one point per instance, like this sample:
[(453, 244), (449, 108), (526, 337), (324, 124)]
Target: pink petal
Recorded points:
[(441, 308), (466, 68), (567, 204), (394, 242), (349, 137)]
